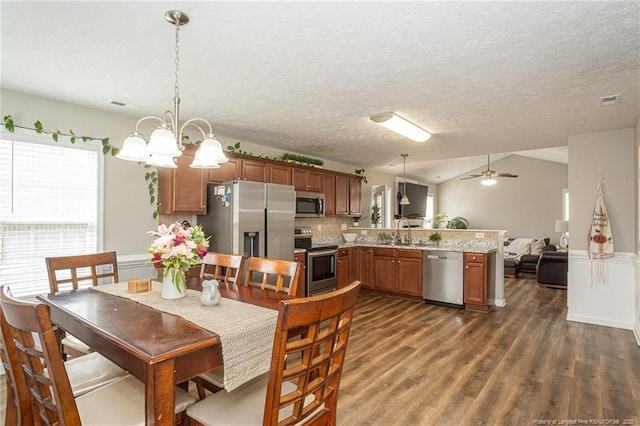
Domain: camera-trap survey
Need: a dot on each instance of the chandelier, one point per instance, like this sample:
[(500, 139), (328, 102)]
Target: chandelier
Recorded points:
[(165, 142)]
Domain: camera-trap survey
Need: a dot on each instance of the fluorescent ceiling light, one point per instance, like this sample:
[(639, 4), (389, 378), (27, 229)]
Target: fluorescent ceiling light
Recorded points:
[(401, 126)]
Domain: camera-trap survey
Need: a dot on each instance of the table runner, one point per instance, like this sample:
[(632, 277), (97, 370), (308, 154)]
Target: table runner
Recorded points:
[(246, 331)]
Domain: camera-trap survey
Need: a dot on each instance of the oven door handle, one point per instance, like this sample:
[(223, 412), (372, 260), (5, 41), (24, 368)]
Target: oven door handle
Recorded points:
[(321, 253)]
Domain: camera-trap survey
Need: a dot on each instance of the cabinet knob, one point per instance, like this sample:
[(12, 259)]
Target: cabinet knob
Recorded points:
[(467, 267)]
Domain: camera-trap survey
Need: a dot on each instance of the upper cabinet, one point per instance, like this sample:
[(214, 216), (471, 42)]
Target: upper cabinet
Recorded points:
[(306, 179), (184, 190), (348, 200)]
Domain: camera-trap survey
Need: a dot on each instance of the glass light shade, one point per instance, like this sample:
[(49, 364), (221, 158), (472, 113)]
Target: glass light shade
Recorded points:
[(489, 181), (404, 200), (162, 161), (402, 126), (134, 149), (163, 142), (209, 155)]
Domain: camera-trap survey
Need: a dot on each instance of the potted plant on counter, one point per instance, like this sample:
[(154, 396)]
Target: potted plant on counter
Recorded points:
[(435, 238)]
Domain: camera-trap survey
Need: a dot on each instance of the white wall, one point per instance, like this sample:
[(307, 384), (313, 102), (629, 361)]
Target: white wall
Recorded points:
[(611, 155), (526, 206), (636, 327)]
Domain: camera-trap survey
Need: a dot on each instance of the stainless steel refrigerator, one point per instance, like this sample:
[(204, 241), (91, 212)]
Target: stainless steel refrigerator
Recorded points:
[(250, 218)]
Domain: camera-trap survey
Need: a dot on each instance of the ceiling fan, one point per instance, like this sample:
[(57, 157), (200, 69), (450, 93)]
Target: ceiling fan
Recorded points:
[(490, 175)]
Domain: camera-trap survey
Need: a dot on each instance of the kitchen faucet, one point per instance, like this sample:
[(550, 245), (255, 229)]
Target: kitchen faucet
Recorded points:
[(407, 238)]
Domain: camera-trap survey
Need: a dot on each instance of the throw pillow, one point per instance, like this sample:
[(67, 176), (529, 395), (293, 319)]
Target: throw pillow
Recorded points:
[(537, 245), (517, 247)]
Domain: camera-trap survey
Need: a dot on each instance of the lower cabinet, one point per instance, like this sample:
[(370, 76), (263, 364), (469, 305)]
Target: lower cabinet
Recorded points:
[(366, 267), (301, 258), (344, 267), (398, 271), (479, 274)]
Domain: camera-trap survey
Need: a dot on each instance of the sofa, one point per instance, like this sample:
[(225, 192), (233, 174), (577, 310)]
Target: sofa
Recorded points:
[(522, 254), (553, 267)]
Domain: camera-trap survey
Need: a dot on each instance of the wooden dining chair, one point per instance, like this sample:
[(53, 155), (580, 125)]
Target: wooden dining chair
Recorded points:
[(119, 402), (226, 268), (306, 366), (273, 274), (69, 273)]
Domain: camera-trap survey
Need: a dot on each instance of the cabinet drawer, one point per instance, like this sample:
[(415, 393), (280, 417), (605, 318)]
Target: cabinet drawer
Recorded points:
[(384, 252), (415, 254), (475, 257)]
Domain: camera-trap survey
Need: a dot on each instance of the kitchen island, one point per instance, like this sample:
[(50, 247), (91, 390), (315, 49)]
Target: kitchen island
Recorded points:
[(408, 270)]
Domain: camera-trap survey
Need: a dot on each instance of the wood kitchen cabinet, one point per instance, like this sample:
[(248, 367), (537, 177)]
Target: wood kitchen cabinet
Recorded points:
[(479, 275), (366, 264), (254, 170), (230, 170), (329, 191), (305, 179), (301, 258), (348, 196), (344, 267), (398, 270), (184, 189), (279, 173)]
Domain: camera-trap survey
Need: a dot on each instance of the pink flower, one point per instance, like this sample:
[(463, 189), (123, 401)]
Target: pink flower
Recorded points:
[(179, 239), (157, 260), (202, 252)]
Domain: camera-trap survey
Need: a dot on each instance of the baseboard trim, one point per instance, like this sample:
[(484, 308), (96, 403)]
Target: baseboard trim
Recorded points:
[(636, 333), (601, 321)]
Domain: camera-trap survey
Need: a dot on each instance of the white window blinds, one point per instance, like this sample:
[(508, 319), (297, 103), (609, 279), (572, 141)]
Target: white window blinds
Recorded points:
[(48, 207)]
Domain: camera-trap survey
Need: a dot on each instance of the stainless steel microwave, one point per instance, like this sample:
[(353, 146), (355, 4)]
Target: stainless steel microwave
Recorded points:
[(309, 204)]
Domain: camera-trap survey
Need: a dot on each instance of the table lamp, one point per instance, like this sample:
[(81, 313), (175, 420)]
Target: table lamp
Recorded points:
[(563, 227)]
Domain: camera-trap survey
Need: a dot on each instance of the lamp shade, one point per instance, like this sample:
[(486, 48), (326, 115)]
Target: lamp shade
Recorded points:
[(162, 161), (562, 226), (134, 149), (163, 142), (404, 200)]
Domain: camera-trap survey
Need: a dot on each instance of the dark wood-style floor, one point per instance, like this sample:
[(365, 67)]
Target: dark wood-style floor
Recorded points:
[(414, 364)]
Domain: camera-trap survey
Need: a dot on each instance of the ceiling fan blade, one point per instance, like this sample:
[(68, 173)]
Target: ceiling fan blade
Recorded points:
[(471, 177), (506, 175)]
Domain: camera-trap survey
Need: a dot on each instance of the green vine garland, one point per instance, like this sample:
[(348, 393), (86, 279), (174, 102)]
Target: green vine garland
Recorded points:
[(151, 177)]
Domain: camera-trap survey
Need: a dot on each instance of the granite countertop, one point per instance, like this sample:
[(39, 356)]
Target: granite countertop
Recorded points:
[(471, 246), (299, 250)]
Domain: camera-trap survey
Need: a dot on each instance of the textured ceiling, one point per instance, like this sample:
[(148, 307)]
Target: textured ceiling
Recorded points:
[(483, 77)]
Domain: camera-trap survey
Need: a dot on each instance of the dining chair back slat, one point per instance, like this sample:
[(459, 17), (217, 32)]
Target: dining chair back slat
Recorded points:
[(226, 268), (67, 272), (51, 394), (18, 409), (273, 274)]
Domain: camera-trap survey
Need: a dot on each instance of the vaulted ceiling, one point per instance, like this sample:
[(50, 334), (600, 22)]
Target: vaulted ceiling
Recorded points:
[(482, 77)]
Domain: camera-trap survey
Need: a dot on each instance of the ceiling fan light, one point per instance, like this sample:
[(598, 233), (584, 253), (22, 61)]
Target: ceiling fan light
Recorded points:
[(401, 126), (488, 181), (134, 149)]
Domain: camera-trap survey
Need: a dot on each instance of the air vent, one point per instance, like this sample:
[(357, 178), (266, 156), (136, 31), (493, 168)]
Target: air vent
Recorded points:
[(116, 103), (609, 100), (122, 104)]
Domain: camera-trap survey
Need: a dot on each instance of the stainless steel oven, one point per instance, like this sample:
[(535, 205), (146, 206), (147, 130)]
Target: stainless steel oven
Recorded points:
[(322, 263)]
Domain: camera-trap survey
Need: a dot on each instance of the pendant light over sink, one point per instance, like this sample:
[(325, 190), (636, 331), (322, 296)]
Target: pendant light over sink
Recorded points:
[(404, 200), (165, 143)]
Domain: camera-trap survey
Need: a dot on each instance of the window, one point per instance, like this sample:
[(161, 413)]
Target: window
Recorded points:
[(49, 206), (430, 209)]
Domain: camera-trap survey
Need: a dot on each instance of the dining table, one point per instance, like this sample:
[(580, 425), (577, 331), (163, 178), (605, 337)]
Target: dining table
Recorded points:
[(160, 349)]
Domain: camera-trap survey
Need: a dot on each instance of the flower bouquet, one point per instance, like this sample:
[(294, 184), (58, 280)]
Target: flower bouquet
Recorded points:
[(176, 249)]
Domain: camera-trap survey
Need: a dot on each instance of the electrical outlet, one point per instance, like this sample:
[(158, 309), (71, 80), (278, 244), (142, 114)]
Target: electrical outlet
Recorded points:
[(479, 234), (343, 227), (363, 231), (319, 227)]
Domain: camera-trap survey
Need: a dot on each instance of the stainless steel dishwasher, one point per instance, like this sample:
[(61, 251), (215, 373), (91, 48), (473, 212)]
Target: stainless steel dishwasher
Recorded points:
[(443, 278)]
